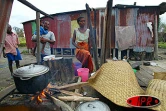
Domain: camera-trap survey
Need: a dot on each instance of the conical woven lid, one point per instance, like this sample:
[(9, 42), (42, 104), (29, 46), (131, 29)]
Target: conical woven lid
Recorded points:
[(116, 81)]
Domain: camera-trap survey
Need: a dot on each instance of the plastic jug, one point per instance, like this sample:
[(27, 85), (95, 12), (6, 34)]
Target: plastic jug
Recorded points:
[(76, 66), (83, 73)]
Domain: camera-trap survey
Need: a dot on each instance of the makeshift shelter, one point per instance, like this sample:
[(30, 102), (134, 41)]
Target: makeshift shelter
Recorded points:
[(141, 19)]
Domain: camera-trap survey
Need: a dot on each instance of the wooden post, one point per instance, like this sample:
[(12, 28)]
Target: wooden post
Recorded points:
[(119, 54), (102, 58), (38, 37), (95, 22), (108, 30), (114, 52), (92, 39), (106, 41), (128, 52), (156, 38)]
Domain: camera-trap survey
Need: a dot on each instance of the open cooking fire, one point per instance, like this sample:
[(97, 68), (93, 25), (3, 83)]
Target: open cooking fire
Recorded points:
[(41, 97)]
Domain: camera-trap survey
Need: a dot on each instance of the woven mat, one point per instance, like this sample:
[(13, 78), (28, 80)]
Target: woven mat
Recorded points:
[(116, 81), (157, 88)]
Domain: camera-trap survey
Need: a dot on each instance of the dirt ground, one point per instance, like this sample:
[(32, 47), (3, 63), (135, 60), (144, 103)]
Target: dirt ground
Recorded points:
[(5, 76), (162, 53)]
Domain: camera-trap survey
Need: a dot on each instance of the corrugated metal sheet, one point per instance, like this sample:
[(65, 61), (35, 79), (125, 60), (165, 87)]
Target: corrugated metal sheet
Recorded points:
[(5, 11), (28, 35), (63, 26), (145, 42), (63, 29), (138, 17)]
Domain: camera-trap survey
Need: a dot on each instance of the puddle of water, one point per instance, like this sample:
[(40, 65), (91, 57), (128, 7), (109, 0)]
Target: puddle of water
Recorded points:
[(25, 108)]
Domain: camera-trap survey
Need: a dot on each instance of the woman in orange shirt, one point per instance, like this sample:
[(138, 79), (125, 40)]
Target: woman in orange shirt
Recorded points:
[(82, 43)]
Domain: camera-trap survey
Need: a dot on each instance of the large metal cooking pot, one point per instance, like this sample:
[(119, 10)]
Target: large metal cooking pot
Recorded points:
[(31, 79), (93, 106)]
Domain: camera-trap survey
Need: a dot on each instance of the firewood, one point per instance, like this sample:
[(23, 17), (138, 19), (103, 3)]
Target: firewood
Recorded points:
[(61, 104), (72, 86), (76, 98), (70, 93), (73, 104)]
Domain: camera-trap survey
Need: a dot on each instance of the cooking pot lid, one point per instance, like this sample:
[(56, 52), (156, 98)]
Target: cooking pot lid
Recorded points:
[(31, 71), (93, 106)]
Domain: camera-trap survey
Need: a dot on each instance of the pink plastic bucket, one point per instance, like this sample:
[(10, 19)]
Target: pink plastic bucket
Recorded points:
[(83, 73)]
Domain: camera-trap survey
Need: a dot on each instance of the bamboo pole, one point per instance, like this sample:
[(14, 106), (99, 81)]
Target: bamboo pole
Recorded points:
[(92, 39), (38, 37)]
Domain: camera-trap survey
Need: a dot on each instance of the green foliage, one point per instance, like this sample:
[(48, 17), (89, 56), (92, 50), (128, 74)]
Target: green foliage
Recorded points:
[(161, 26), (19, 31), (24, 52), (22, 42), (162, 45)]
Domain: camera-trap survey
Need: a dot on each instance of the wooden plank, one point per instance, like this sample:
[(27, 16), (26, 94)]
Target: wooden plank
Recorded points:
[(142, 84), (108, 30), (161, 64), (102, 58), (6, 91), (147, 69), (157, 69), (142, 78), (92, 39), (146, 74)]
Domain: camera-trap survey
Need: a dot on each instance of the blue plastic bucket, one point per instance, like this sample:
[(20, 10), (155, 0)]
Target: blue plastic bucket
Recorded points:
[(77, 65)]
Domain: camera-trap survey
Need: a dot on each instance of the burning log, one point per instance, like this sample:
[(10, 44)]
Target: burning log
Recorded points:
[(61, 104), (76, 98), (38, 98)]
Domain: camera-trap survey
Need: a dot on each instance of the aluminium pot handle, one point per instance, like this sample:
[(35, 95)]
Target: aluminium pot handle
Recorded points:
[(91, 106), (32, 65), (25, 78)]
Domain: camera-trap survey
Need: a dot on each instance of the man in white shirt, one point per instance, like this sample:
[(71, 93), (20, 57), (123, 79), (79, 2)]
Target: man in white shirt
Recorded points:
[(49, 38)]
